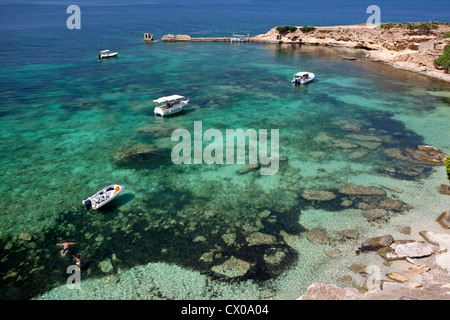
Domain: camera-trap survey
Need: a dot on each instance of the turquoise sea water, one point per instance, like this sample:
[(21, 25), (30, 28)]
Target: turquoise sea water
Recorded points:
[(69, 127)]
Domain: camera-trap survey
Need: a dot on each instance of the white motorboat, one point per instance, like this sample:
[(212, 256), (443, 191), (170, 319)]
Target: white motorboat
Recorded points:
[(107, 54), (170, 104), (302, 77), (239, 38), (102, 197)]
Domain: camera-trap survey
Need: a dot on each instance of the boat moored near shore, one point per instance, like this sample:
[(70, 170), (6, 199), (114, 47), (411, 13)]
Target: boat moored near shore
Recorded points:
[(239, 38), (302, 77)]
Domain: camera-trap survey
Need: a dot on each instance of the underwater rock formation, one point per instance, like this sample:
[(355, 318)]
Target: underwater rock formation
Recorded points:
[(423, 154), (353, 189), (444, 219), (319, 195), (142, 156), (232, 268)]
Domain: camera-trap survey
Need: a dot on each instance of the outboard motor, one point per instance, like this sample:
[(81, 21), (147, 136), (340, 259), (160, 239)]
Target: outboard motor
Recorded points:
[(87, 204)]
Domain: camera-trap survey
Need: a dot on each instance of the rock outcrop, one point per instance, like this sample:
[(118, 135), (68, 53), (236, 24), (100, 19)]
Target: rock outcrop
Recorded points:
[(399, 47), (423, 154), (427, 278)]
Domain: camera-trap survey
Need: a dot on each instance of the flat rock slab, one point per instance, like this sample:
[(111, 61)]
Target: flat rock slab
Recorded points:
[(232, 268), (319, 195), (414, 249)]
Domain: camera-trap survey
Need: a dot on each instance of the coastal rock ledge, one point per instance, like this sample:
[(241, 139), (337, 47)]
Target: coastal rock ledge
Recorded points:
[(426, 278), (399, 47)]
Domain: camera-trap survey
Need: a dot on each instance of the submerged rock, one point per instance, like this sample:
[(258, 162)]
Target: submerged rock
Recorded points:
[(248, 168), (423, 154), (358, 154), (274, 256), (363, 137), (349, 233), (138, 153), (391, 204), (161, 130), (382, 241), (106, 265), (353, 189), (25, 236), (333, 254), (444, 219), (344, 144), (232, 268), (444, 189), (319, 195), (258, 238), (229, 238), (318, 236)]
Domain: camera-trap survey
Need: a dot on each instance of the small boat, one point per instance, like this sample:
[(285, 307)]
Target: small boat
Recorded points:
[(239, 38), (102, 197), (302, 77), (107, 54), (170, 104)]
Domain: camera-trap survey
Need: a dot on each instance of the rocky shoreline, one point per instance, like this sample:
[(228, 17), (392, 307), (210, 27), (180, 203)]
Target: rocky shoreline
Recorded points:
[(401, 48), (415, 266), (413, 270)]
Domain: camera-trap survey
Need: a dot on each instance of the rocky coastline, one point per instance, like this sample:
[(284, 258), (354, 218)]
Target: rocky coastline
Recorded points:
[(399, 47), (411, 269), (414, 267)]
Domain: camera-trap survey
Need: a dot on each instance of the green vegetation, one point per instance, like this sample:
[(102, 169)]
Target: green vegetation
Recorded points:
[(423, 27), (443, 62), (286, 28), (306, 29), (446, 35), (447, 165)]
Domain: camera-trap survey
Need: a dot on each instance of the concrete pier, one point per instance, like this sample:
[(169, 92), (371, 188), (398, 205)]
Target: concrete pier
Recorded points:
[(187, 38)]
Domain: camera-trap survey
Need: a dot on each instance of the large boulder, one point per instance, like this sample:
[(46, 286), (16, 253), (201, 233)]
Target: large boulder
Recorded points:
[(415, 249), (382, 241)]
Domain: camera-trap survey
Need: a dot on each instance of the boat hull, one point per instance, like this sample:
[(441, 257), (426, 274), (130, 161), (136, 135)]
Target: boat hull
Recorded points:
[(114, 54), (302, 81), (103, 196), (163, 111)]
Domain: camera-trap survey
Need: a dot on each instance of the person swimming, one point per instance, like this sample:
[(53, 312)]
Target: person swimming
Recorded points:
[(65, 245)]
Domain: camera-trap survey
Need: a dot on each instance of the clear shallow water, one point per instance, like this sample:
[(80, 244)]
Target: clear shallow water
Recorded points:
[(70, 126)]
